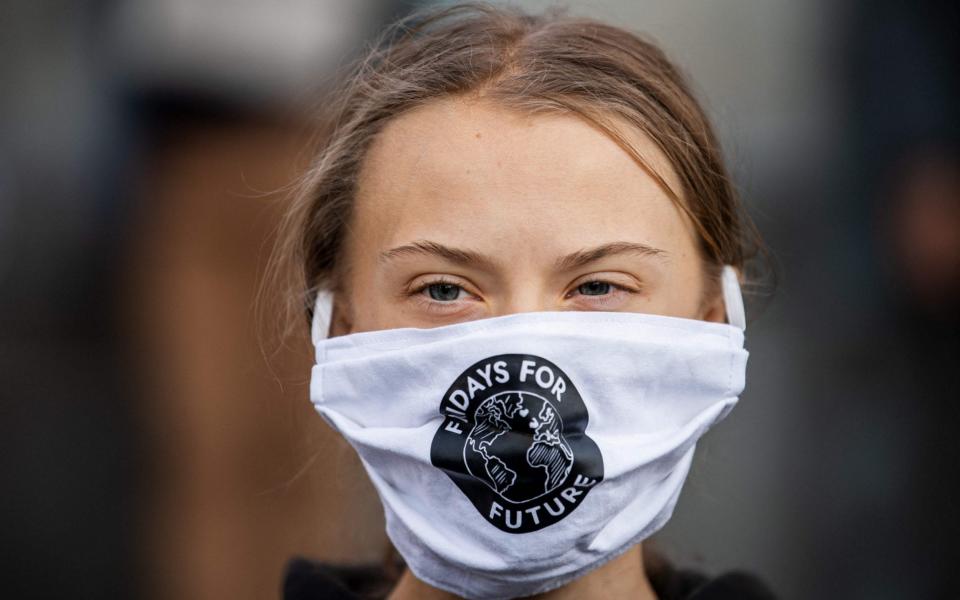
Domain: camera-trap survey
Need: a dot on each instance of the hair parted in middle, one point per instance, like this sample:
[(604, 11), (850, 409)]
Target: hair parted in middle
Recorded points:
[(551, 62)]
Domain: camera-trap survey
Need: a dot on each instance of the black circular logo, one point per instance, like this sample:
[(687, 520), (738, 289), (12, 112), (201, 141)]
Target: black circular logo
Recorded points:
[(513, 440)]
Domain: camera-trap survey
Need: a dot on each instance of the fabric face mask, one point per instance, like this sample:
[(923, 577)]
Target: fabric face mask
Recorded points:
[(515, 453)]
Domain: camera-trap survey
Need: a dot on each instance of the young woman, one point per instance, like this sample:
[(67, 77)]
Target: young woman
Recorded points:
[(519, 250)]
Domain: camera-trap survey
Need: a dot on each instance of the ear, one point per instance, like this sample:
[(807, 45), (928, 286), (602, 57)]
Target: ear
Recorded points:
[(713, 308), (341, 321)]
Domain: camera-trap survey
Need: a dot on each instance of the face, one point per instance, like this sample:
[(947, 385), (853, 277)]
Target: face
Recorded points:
[(466, 210)]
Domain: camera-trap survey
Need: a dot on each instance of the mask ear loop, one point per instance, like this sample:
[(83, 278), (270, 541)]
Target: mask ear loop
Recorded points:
[(322, 311), (732, 299)]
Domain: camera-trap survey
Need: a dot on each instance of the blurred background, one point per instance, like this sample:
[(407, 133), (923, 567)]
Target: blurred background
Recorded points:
[(152, 445)]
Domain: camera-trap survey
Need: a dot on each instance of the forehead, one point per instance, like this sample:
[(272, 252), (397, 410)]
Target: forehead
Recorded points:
[(473, 169)]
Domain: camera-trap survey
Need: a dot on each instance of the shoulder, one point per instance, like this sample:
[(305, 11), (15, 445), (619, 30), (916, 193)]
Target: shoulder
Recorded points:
[(308, 580)]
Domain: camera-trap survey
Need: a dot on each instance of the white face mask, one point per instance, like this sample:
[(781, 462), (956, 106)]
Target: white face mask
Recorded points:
[(513, 454)]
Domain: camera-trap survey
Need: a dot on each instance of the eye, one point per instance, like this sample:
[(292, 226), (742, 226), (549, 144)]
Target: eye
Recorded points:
[(608, 290), (444, 292), (594, 288)]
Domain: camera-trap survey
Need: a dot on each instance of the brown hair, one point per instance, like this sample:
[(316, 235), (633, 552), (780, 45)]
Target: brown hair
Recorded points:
[(532, 63)]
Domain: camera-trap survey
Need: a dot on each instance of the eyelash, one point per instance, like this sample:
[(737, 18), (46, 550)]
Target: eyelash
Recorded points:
[(438, 281), (423, 287), (600, 299)]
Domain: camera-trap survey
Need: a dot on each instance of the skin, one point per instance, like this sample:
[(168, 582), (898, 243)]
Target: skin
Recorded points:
[(468, 210)]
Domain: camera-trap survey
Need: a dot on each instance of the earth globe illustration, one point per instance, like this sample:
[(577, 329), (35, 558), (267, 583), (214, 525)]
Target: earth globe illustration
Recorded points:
[(516, 446)]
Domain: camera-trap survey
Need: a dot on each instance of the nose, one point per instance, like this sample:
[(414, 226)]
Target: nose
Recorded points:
[(526, 297)]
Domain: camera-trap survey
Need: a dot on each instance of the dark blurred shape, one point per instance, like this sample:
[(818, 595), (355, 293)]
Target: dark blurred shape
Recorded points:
[(906, 87), (243, 473), (149, 449), (883, 378), (923, 231), (69, 450)]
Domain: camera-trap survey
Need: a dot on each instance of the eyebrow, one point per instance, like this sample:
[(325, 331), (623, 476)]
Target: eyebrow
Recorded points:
[(586, 256), (569, 262)]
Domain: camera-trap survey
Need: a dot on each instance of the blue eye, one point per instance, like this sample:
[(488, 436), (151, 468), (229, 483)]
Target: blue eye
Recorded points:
[(594, 288), (444, 292)]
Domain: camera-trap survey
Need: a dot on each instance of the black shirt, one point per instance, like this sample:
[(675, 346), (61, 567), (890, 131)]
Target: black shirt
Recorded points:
[(307, 580)]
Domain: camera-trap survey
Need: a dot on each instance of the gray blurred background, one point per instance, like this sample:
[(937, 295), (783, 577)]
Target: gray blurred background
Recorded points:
[(152, 445)]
